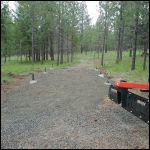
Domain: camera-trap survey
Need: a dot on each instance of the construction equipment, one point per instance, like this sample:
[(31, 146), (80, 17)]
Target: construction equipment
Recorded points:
[(119, 92)]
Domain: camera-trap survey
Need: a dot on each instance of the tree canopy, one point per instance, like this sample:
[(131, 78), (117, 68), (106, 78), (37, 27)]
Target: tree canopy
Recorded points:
[(51, 29)]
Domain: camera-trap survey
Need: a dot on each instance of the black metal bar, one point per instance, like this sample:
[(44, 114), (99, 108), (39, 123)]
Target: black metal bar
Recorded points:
[(32, 76), (138, 105), (114, 94), (133, 103), (124, 93)]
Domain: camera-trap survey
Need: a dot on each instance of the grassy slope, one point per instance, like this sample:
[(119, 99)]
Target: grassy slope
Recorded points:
[(122, 69)]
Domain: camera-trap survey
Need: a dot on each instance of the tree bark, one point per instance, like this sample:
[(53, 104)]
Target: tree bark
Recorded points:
[(20, 52), (131, 49), (38, 55), (67, 48), (130, 54), (58, 50), (42, 51), (121, 30), (106, 27), (59, 15), (82, 15), (135, 39), (145, 54), (62, 33), (46, 51), (102, 57), (29, 52), (120, 34), (105, 32), (51, 47), (72, 46), (44, 55), (26, 55), (62, 47), (118, 49), (106, 36), (32, 41)]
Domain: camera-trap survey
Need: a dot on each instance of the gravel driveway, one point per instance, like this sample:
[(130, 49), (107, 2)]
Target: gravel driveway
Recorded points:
[(68, 108)]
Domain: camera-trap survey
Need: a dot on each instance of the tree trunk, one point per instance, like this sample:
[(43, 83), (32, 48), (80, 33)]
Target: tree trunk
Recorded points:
[(26, 55), (135, 40), (105, 32), (67, 49), (134, 53), (130, 54), (33, 56), (106, 36), (145, 54), (39, 52), (58, 50), (37, 55), (42, 51), (32, 42), (102, 57), (72, 46), (118, 49), (62, 51), (59, 17), (29, 52), (40, 47), (106, 45), (120, 35), (46, 53), (62, 33), (121, 30), (131, 49), (106, 26), (51, 47), (20, 52), (121, 42), (82, 16)]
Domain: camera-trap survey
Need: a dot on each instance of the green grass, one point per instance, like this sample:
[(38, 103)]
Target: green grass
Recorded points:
[(6, 77), (122, 69), (26, 67)]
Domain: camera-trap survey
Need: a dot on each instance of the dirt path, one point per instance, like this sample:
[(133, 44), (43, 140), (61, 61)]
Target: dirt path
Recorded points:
[(88, 64), (68, 108)]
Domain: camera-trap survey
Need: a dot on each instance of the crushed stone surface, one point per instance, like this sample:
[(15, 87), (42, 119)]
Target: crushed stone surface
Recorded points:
[(68, 109)]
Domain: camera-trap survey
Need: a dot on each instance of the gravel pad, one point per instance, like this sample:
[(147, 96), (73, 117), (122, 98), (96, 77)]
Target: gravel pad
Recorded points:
[(68, 108)]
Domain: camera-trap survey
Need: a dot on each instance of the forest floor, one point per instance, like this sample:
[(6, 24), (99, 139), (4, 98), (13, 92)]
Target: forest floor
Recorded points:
[(67, 108)]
